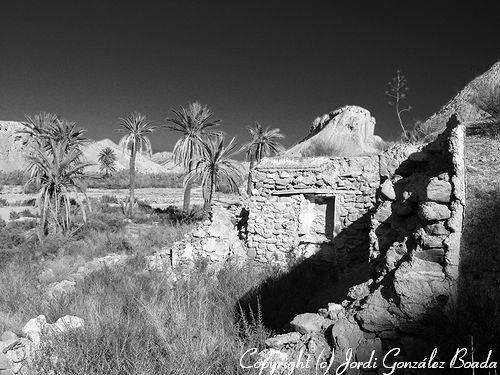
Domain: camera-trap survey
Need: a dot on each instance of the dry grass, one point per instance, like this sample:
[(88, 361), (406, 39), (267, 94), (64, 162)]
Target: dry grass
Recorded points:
[(139, 323)]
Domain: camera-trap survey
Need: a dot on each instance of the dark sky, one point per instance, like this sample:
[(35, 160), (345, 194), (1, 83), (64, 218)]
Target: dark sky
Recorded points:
[(281, 63)]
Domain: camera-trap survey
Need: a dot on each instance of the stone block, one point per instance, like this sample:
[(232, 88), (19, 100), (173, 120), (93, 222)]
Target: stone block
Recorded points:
[(308, 323), (438, 190), (430, 211)]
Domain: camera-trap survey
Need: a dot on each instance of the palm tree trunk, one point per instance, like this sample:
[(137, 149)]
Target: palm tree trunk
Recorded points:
[(187, 188), (132, 180), (249, 182), (208, 196)]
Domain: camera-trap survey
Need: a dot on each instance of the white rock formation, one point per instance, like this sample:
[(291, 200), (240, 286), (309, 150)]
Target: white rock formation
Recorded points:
[(347, 131)]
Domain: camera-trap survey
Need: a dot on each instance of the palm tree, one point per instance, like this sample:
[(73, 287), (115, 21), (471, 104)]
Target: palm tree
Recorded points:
[(107, 159), (214, 168), (137, 128), (45, 127), (264, 143), (195, 125), (59, 173)]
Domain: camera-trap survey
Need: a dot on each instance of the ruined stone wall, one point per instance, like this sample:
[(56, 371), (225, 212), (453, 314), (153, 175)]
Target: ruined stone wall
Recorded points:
[(416, 228), (283, 190), (414, 252)]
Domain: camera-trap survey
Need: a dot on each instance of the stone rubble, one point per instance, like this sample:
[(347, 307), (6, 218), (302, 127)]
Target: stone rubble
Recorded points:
[(16, 351)]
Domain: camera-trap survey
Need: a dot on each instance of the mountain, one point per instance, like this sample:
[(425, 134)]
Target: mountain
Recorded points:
[(143, 163), (347, 131), (166, 159), (13, 146)]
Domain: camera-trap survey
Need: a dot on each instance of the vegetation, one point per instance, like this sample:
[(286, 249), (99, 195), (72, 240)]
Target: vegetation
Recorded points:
[(195, 125), (137, 129), (397, 90), (56, 169), (215, 167), (264, 142), (107, 159)]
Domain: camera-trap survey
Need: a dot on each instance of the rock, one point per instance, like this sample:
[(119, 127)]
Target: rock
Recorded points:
[(335, 311), (346, 334), (199, 233), (374, 315), (371, 348), (422, 288), (34, 328), (359, 291), (438, 190), (279, 341), (5, 362), (64, 324), (436, 229), (8, 335), (420, 157), (308, 323), (273, 358), (430, 211), (387, 190), (428, 240), (431, 255), (383, 212)]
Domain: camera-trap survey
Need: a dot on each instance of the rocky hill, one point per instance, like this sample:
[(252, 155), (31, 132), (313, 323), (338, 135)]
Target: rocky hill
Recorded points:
[(347, 131), (465, 103)]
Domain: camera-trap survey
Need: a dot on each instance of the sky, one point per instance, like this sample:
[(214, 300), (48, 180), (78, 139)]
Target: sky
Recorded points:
[(281, 63)]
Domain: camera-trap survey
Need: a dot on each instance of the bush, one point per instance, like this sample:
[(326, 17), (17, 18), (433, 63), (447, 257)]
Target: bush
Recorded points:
[(3, 202), (13, 178)]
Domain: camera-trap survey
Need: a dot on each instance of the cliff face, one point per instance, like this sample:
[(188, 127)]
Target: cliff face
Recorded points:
[(347, 131)]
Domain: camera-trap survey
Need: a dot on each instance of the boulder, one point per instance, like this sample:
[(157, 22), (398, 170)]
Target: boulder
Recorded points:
[(308, 323), (430, 211)]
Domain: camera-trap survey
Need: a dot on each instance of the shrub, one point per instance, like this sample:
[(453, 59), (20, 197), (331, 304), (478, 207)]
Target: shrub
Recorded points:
[(109, 199), (3, 202)]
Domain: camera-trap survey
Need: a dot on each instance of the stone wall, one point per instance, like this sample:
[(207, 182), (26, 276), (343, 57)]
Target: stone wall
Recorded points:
[(414, 253), (300, 206), (214, 241)]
